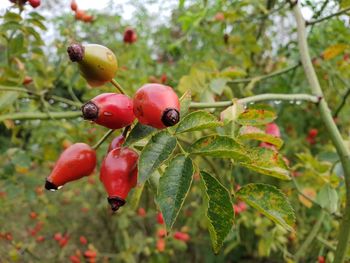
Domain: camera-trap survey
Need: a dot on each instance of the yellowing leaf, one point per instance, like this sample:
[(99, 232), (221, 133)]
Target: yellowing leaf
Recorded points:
[(232, 72), (333, 51), (309, 192), (269, 201)]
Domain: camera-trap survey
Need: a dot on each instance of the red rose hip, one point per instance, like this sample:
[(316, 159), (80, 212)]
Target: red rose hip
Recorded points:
[(119, 174), (130, 36), (273, 129), (77, 161), (34, 3), (74, 5), (157, 105), (110, 110)]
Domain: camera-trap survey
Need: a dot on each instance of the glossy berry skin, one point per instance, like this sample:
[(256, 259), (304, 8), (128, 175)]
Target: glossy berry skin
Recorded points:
[(116, 143), (157, 105), (313, 133), (110, 110), (97, 63), (34, 3), (130, 36), (182, 236), (79, 14), (88, 18), (160, 218), (119, 174), (75, 162)]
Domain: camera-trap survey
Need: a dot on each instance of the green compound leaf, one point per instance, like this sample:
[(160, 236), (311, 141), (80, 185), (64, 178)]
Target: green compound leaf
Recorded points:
[(185, 102), (270, 201), (255, 117), (139, 132), (268, 162), (261, 160), (158, 149), (198, 120), (220, 146), (254, 133), (7, 98), (173, 188), (219, 210), (328, 198), (13, 17)]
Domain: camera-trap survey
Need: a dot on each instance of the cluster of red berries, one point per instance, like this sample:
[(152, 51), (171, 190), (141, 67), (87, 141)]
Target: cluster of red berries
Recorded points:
[(155, 105), (62, 240), (89, 255), (35, 230), (6, 235), (33, 3), (161, 234), (80, 14)]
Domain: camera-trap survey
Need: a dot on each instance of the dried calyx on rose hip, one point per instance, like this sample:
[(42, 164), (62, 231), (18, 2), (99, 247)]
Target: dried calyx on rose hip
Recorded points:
[(75, 162), (119, 175), (157, 105), (110, 110), (97, 63)]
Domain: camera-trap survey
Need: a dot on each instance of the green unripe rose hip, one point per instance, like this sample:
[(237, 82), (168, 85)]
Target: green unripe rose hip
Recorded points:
[(97, 63)]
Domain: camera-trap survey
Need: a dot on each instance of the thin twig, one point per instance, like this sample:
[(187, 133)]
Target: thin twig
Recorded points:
[(125, 131), (118, 86), (100, 141), (263, 16), (64, 100), (267, 76), (342, 103), (256, 98), (40, 115), (326, 243), (340, 12), (332, 129), (319, 12), (311, 236), (29, 92)]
